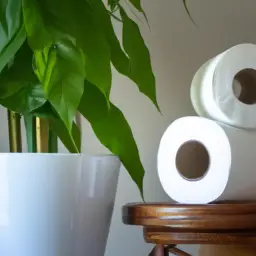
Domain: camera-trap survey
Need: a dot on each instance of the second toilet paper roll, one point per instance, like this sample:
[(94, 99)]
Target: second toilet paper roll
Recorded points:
[(194, 162), (224, 88)]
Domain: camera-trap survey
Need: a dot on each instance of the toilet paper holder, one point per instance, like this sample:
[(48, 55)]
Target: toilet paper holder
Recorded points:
[(166, 225)]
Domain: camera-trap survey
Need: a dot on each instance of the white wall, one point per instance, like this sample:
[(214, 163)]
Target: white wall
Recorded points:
[(178, 48)]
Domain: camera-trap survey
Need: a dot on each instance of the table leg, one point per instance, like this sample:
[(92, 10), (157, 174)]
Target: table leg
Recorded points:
[(178, 252), (159, 250)]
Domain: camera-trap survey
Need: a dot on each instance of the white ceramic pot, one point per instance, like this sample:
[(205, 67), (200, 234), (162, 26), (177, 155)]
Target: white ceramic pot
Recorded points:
[(98, 186), (47, 199)]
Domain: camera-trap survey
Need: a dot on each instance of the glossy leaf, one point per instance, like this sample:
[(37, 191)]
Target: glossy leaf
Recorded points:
[(48, 22), (12, 32), (19, 74), (4, 24), (113, 4), (39, 24), (113, 131), (72, 141), (20, 90), (62, 78), (140, 63), (118, 57), (25, 100), (137, 5)]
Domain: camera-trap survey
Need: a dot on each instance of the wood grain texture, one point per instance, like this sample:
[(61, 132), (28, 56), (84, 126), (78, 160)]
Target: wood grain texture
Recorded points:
[(223, 223), (211, 250), (205, 217), (170, 236)]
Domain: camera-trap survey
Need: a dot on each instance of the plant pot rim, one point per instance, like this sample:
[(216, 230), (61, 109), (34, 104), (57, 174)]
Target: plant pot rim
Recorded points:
[(60, 154)]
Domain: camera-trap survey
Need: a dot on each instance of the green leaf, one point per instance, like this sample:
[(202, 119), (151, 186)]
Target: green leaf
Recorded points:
[(20, 90), (19, 74), (140, 63), (72, 141), (39, 24), (62, 75), (118, 58), (48, 22), (12, 32), (113, 4), (25, 100), (3, 5), (137, 5), (112, 130)]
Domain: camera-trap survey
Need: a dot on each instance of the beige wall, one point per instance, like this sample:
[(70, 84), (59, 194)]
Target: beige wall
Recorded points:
[(178, 48)]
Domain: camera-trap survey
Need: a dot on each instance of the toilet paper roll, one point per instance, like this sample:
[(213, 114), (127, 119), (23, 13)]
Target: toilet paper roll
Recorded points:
[(194, 160), (224, 88), (242, 178)]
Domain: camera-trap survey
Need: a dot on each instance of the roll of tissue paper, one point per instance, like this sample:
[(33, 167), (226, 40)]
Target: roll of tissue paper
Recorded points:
[(224, 88), (194, 160)]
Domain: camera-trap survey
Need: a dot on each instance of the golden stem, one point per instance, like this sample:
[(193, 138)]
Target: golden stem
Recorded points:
[(42, 135), (14, 132)]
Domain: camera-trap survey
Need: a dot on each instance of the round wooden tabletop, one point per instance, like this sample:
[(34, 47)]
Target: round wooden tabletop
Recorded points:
[(222, 223)]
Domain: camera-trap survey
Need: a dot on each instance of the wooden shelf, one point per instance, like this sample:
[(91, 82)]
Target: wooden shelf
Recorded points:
[(226, 223)]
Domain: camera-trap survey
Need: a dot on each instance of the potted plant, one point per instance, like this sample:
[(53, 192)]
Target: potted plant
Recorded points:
[(55, 62)]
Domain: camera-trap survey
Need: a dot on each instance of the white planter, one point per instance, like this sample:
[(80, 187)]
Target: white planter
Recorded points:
[(97, 196), (41, 204)]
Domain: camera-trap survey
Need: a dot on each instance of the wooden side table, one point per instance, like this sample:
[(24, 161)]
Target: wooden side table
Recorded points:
[(221, 229)]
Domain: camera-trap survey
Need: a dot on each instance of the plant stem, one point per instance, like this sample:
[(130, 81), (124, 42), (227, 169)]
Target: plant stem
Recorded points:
[(30, 123), (47, 141), (40, 138), (42, 135), (15, 143), (52, 142)]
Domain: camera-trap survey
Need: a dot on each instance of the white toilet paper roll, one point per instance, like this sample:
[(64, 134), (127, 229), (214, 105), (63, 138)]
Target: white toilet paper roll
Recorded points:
[(224, 88), (242, 178), (194, 160)]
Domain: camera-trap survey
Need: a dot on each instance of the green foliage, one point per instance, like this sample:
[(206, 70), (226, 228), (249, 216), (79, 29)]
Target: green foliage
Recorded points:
[(113, 131), (140, 66), (49, 21), (72, 141), (20, 90), (55, 60), (60, 70), (137, 5), (12, 32), (25, 100)]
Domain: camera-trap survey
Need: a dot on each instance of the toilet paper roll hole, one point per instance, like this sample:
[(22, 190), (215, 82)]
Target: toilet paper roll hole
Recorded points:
[(244, 86), (192, 160)]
